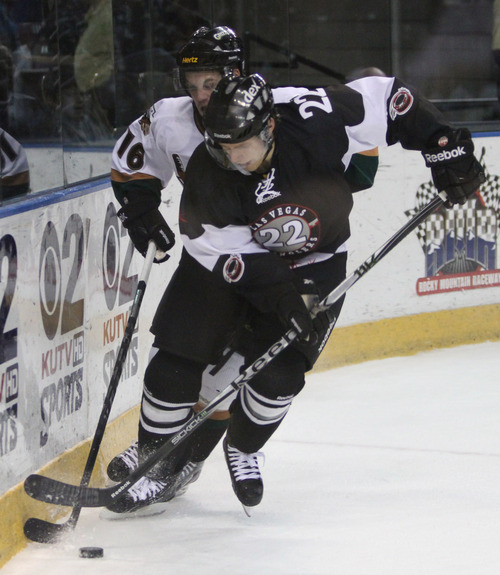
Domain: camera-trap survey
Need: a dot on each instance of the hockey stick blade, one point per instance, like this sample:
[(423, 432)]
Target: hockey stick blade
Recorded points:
[(54, 491), (58, 492), (42, 531)]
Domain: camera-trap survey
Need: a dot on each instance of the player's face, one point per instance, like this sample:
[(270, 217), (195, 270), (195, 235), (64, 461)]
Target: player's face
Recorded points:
[(247, 155), (200, 86)]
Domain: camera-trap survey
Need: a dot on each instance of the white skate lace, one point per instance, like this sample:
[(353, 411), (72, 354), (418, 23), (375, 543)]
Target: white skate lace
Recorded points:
[(130, 456), (244, 465), (145, 489)]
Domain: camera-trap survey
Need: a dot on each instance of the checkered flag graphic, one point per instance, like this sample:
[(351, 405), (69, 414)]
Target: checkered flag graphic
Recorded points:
[(488, 198), (424, 195)]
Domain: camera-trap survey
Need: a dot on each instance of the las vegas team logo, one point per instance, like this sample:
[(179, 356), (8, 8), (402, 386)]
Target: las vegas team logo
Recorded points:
[(287, 228)]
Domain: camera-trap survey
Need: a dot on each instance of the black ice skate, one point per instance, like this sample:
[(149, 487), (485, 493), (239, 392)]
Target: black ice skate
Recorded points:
[(188, 474), (122, 465), (150, 496), (245, 475), (147, 497)]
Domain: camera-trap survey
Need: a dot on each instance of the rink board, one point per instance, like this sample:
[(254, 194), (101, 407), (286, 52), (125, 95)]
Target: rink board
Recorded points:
[(68, 275)]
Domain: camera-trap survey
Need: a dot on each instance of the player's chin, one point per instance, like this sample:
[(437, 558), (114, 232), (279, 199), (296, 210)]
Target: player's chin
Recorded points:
[(245, 166), (246, 169), (251, 166)]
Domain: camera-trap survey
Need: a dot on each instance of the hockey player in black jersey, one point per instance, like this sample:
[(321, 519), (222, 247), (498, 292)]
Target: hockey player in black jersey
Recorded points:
[(265, 208), (145, 158), (267, 222)]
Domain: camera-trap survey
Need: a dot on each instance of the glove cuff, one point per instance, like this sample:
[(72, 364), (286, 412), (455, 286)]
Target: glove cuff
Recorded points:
[(128, 214)]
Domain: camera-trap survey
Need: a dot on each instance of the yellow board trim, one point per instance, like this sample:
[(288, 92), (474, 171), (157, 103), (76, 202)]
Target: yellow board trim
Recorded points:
[(16, 507), (353, 344), (409, 335)]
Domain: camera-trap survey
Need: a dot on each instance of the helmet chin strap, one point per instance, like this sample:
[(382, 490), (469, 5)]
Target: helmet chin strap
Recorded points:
[(268, 140), (242, 171)]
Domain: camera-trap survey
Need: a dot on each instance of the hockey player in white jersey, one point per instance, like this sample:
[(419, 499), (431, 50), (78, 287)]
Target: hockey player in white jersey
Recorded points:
[(152, 150), (14, 168)]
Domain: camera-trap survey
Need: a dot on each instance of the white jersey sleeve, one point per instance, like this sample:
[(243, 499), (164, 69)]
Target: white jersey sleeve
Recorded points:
[(160, 146), (287, 93), (372, 131), (13, 160)]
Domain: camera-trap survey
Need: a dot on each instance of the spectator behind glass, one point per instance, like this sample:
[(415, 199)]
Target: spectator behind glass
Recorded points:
[(6, 84), (94, 62), (495, 43)]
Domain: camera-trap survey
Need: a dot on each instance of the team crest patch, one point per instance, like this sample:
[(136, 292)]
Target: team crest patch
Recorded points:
[(233, 268), (265, 191), (400, 103), (288, 229)]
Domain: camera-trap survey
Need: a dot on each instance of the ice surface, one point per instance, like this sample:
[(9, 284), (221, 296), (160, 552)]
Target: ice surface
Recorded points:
[(388, 467)]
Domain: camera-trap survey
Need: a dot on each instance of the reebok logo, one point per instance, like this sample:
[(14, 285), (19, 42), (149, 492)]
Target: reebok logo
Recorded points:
[(265, 191), (446, 155)]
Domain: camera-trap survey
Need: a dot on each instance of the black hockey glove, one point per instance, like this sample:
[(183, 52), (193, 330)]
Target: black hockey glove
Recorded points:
[(454, 168), (148, 226), (294, 305)]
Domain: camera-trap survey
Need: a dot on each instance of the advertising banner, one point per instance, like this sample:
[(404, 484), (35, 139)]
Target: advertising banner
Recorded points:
[(68, 276), (452, 259)]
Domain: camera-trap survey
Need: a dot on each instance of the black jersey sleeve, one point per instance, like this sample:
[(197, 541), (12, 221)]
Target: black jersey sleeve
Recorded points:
[(412, 119), (262, 278)]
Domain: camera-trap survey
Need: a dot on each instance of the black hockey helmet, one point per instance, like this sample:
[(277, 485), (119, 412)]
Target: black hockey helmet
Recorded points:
[(216, 48), (239, 108)]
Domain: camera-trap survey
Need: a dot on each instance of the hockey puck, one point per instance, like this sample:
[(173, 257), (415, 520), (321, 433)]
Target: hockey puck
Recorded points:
[(91, 552)]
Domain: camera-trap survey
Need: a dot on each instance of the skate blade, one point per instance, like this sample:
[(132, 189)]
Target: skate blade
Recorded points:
[(247, 510), (147, 511)]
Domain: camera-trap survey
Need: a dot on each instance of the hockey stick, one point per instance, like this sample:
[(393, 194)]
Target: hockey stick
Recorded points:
[(58, 492), (43, 531)]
